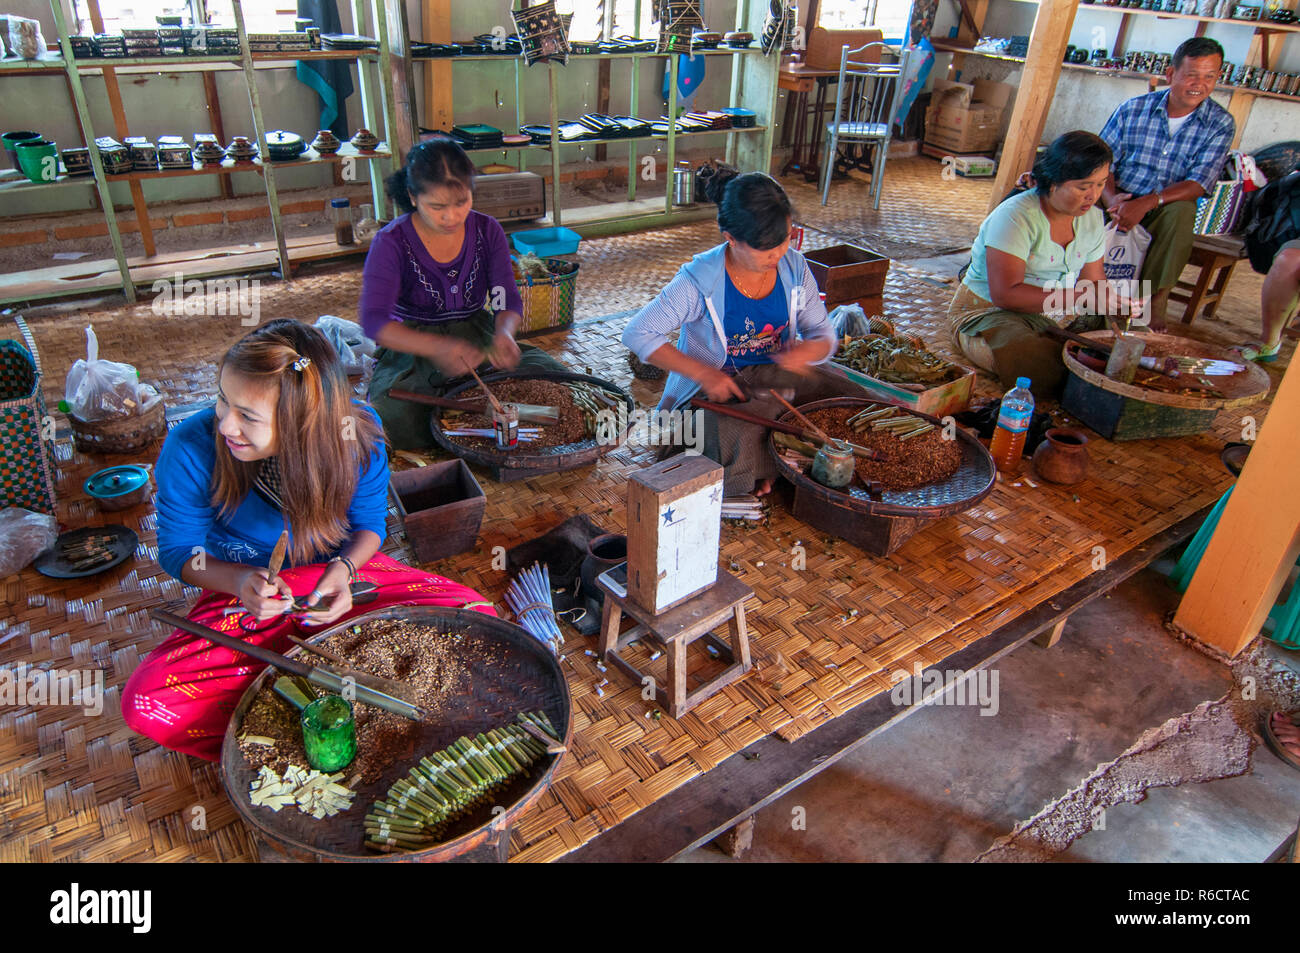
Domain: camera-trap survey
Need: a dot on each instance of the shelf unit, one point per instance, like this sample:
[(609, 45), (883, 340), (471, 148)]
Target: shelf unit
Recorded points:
[(753, 85), (247, 61), (1239, 105)]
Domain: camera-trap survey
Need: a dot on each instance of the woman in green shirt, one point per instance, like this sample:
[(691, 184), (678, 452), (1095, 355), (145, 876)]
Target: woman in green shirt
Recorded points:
[(1037, 262)]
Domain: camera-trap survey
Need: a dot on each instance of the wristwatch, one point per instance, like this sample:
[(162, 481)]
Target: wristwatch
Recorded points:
[(1160, 198)]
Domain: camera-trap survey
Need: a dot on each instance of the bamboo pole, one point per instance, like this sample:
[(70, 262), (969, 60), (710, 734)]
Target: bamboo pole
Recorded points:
[(1047, 45)]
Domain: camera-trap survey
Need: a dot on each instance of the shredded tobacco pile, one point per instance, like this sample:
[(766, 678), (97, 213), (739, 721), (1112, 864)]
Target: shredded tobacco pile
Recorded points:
[(572, 427), (908, 463), (436, 666)]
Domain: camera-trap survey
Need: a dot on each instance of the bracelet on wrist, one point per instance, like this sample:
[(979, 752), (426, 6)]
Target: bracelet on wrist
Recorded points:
[(351, 568)]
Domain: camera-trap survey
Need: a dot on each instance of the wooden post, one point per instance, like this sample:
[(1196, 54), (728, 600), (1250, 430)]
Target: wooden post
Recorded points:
[(120, 130), (437, 71), (1241, 102), (1257, 539), (217, 125), (399, 113), (736, 841), (969, 28), (1037, 87)]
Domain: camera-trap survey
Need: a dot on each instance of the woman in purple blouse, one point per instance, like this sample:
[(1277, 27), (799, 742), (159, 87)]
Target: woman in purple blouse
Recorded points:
[(438, 292)]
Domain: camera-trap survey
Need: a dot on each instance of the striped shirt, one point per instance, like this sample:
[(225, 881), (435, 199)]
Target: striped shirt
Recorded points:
[(1148, 159)]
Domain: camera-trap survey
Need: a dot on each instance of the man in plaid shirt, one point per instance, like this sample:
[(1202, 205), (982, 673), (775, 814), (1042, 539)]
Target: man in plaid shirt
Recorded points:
[(1169, 146)]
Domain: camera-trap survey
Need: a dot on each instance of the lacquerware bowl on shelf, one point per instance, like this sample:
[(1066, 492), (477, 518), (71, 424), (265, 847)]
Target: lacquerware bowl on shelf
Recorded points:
[(326, 143), (364, 140)]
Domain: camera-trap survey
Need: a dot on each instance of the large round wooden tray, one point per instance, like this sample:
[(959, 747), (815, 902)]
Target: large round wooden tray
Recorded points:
[(972, 482), (1244, 387), (879, 526), (528, 678), (521, 463)]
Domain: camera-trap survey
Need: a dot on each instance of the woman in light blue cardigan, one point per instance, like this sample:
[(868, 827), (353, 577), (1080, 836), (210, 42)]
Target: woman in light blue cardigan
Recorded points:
[(750, 320)]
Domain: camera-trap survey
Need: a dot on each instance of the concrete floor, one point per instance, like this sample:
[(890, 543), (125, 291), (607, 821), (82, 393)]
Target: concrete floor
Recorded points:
[(943, 784)]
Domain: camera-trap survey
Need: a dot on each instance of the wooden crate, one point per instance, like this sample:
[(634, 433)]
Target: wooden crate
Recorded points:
[(441, 506), (848, 273), (674, 519)]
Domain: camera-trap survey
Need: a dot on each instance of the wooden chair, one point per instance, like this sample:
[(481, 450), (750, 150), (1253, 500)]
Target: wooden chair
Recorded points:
[(867, 97)]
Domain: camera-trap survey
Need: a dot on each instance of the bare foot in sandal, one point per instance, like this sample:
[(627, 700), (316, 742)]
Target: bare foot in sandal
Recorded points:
[(762, 487)]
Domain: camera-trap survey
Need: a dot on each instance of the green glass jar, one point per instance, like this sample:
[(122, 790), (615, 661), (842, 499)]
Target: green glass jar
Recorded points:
[(329, 733), (833, 465)]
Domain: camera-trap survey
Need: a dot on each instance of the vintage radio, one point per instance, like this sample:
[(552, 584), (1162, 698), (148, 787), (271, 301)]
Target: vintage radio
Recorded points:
[(510, 196)]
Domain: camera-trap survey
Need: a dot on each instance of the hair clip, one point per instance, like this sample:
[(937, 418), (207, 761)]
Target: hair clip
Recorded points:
[(301, 364)]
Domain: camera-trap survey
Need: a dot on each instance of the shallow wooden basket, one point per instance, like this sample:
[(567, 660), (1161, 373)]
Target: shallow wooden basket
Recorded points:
[(1121, 411), (522, 463), (879, 526), (528, 678)]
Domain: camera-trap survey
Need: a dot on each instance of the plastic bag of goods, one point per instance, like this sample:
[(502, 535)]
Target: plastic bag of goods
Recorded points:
[(25, 38), (24, 535), (349, 341), (100, 390)]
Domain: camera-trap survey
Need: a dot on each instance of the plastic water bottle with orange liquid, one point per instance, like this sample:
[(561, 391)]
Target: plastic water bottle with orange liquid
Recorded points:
[(1014, 417)]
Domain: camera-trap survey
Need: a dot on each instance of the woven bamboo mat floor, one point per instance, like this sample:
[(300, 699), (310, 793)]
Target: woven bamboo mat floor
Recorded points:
[(80, 787)]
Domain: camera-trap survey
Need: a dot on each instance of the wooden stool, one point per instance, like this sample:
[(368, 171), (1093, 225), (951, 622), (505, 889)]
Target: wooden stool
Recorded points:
[(676, 629), (1216, 256)]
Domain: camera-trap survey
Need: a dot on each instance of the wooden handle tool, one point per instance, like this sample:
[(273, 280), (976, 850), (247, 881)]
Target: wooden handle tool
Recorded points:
[(496, 404), (811, 427)]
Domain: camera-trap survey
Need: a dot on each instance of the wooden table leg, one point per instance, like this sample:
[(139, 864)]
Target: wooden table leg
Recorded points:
[(610, 616), (677, 678), (1049, 637), (740, 637), (1221, 283), (1198, 289), (737, 841)]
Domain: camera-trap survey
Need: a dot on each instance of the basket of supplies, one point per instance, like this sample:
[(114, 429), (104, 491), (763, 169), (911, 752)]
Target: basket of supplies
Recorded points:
[(548, 298), (27, 464)]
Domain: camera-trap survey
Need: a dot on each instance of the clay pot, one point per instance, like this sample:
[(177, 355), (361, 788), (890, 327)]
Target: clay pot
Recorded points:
[(1062, 457), (603, 553)]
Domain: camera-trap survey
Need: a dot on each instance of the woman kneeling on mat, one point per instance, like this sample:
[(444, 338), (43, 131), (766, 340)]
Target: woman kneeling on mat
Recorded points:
[(751, 322), (438, 293), (1037, 263), (284, 448)]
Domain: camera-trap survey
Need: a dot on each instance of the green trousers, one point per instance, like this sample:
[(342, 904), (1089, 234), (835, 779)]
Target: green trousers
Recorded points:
[(1171, 243), (407, 425), (1012, 344)]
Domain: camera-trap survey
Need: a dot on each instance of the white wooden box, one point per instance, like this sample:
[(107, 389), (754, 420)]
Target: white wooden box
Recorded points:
[(674, 516)]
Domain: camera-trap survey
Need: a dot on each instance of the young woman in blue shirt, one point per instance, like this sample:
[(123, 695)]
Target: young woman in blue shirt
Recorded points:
[(285, 448)]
